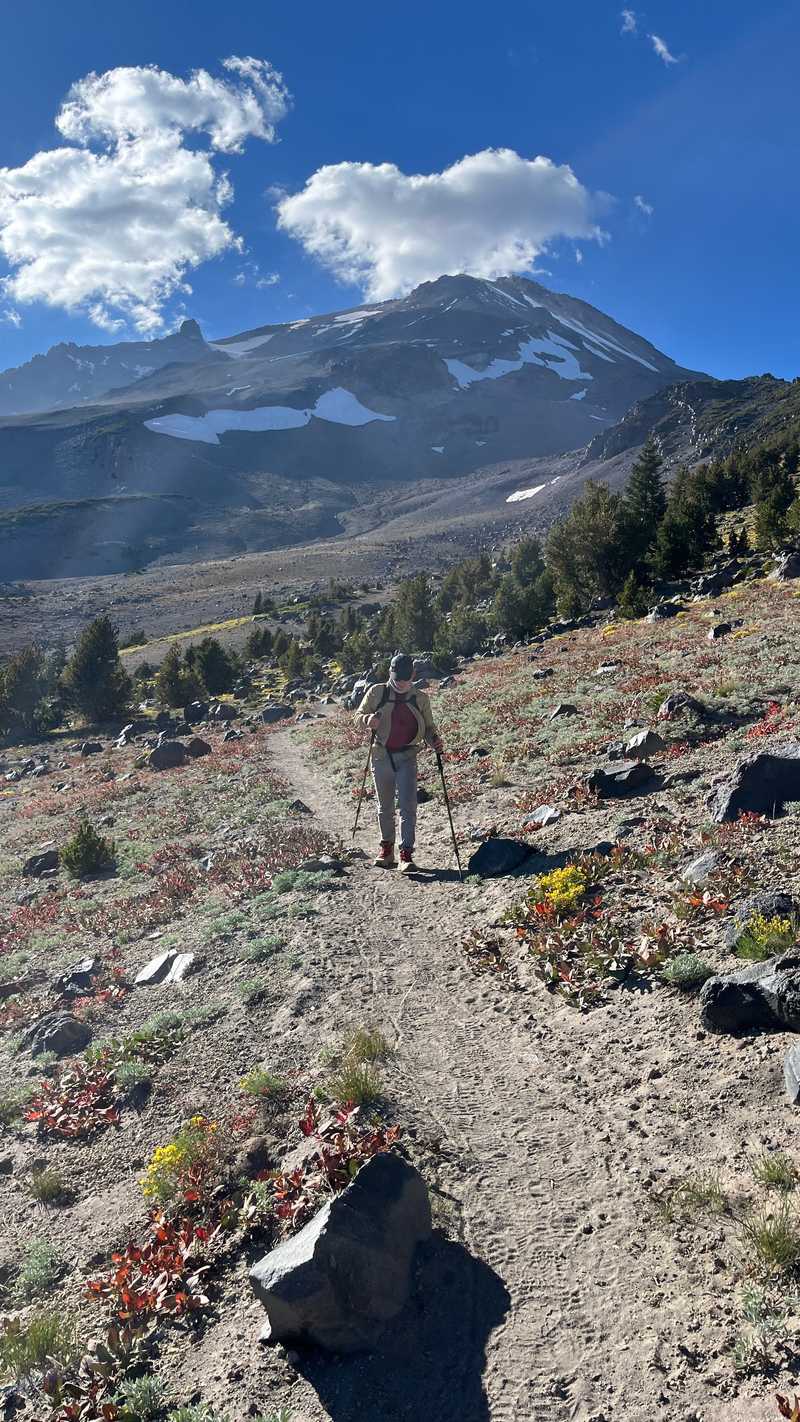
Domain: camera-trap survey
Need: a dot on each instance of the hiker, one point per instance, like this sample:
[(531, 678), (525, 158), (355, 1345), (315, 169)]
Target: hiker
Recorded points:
[(401, 722)]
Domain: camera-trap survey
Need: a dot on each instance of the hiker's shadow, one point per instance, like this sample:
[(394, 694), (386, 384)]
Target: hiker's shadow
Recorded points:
[(429, 1363)]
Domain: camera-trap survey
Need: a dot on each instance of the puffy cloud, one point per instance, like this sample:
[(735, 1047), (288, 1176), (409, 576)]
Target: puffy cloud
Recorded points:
[(114, 232), (662, 49), (490, 214), (644, 207), (629, 22), (11, 317), (132, 102)]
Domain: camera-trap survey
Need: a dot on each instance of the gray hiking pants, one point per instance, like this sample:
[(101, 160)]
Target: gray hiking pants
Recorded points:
[(398, 781)]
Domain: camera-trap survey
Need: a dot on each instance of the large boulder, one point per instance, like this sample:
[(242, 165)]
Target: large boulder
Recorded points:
[(791, 1074), (274, 713), (760, 784), (168, 756), (681, 703), (347, 1274), (625, 778), (787, 567), (761, 997), (498, 856), (198, 747)]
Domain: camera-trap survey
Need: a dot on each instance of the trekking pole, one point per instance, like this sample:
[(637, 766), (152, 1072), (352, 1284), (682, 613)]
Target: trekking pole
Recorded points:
[(363, 783), (449, 815)]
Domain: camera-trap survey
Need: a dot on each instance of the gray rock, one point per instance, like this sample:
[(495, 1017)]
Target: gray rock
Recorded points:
[(760, 784), (478, 752), (791, 1074), (701, 868), (39, 864), (76, 980), (615, 750), (541, 673), (719, 631), (300, 807), (498, 856), (663, 611), (168, 756), (626, 777), (775, 903), (347, 1274), (169, 967), (680, 703), (423, 795), (57, 1032), (645, 743), (788, 567), (270, 714), (545, 815), (564, 708), (196, 711), (607, 669), (91, 748), (762, 997), (197, 747), (222, 711)]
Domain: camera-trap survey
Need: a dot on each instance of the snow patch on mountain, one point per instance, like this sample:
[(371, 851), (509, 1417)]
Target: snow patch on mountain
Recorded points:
[(538, 350), (339, 407), (612, 345), (520, 494), (237, 349)]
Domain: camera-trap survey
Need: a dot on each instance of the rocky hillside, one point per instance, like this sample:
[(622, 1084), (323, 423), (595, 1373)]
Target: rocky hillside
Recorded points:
[(280, 435), (578, 1051)]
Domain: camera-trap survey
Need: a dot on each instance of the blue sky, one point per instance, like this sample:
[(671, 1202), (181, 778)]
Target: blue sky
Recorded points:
[(704, 133)]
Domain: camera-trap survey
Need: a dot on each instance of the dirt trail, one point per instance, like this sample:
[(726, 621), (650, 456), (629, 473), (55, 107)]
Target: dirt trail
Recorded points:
[(542, 1154)]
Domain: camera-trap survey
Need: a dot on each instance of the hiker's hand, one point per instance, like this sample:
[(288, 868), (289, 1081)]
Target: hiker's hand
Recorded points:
[(373, 721)]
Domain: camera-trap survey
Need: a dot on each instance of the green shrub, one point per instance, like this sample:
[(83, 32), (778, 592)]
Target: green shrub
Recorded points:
[(773, 1236), (698, 1194), (356, 1083), (264, 1084), (765, 937), (686, 971), (27, 1345), (40, 1269), (133, 1076), (253, 991), (142, 1398), (47, 1186), (775, 1170), (87, 852), (13, 1103), (367, 1044)]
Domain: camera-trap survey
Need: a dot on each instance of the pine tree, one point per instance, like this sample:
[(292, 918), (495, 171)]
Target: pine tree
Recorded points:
[(94, 680), (176, 683), (414, 616), (213, 665), (633, 601), (27, 685), (645, 501), (585, 553)]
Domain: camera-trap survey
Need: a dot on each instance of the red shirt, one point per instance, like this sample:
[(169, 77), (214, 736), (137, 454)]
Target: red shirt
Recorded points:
[(404, 729)]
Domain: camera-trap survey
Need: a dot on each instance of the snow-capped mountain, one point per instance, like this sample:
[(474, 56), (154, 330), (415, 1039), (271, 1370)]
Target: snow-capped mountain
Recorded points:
[(294, 426)]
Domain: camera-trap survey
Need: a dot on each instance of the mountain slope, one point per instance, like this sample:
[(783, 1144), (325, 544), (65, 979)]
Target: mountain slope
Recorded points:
[(282, 431), (69, 375)]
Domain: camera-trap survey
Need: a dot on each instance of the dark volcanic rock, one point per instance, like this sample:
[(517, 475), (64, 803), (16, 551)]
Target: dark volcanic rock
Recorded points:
[(626, 777), (348, 1272), (498, 856), (168, 756), (680, 703), (760, 997), (76, 980), (788, 567), (197, 747), (719, 631), (276, 713), (39, 864), (57, 1032), (760, 784)]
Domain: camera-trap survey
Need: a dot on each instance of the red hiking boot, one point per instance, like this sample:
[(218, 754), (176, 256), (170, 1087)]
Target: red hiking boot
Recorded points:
[(407, 865), (385, 857)]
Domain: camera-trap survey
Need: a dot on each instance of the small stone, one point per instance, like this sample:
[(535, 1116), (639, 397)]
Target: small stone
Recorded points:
[(564, 708), (719, 631), (644, 744), (197, 747), (300, 808), (91, 748), (40, 864)]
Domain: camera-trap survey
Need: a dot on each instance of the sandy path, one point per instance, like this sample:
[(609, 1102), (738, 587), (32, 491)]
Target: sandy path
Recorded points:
[(496, 1087)]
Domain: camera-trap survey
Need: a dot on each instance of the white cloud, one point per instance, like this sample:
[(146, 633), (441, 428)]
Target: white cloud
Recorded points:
[(662, 49), (113, 232), (11, 317), (490, 214), (629, 22), (578, 255), (251, 274), (644, 207)]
